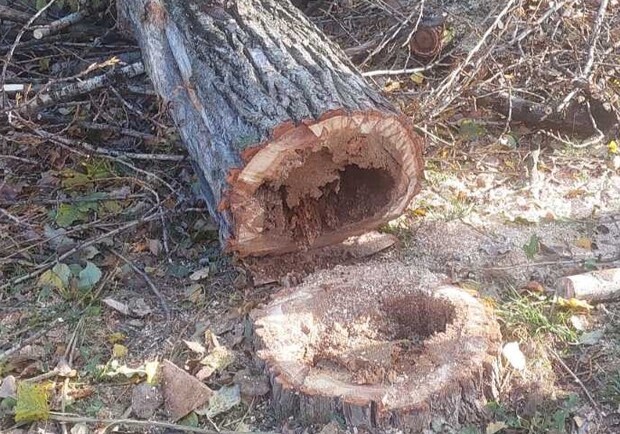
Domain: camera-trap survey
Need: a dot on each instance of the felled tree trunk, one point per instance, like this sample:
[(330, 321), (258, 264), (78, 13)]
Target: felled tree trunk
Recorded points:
[(294, 149)]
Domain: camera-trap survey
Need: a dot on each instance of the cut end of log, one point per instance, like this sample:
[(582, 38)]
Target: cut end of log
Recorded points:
[(364, 344), (318, 183)]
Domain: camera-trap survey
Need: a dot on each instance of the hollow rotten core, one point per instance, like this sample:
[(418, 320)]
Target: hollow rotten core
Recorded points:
[(319, 184)]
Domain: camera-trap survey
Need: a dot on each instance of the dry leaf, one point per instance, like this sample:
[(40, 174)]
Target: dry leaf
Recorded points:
[(195, 347), (574, 304), (495, 427), (391, 86), (155, 247), (182, 392), (533, 286), (119, 351), (203, 273), (584, 243), (116, 305)]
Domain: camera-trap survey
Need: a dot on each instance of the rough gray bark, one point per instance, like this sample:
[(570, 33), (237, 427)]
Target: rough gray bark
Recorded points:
[(280, 126)]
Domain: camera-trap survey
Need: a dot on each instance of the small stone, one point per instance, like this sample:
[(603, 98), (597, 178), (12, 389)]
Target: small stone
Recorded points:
[(145, 400), (80, 428), (512, 353)]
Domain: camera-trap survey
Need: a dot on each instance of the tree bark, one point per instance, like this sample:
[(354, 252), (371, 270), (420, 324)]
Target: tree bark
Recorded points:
[(293, 148)]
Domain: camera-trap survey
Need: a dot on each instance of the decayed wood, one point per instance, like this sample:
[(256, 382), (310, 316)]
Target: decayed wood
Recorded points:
[(293, 148), (368, 345), (599, 286)]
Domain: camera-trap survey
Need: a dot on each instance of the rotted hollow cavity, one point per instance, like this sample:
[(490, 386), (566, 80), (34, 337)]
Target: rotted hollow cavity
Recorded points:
[(319, 184)]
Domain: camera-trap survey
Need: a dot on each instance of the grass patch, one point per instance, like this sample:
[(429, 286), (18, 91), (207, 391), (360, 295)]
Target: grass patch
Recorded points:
[(534, 316)]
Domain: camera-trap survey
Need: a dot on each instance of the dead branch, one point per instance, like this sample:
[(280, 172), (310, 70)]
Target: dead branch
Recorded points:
[(52, 325), (142, 423), (58, 25), (73, 90), (149, 282), (10, 14), (597, 286)]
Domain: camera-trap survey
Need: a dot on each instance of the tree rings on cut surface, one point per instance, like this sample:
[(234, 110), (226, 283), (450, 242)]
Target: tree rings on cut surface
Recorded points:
[(381, 350)]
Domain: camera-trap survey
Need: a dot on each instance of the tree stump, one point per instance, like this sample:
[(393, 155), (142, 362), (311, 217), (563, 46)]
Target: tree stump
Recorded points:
[(371, 345), (294, 149)]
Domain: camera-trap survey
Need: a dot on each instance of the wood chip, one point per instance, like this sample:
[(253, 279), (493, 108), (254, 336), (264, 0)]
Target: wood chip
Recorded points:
[(182, 392)]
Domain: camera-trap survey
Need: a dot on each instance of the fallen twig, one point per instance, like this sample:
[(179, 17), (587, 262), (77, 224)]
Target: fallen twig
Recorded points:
[(536, 25), (104, 151), (449, 82), (586, 73), (44, 267), (59, 417), (79, 88), (18, 38), (576, 378), (149, 282), (10, 14), (58, 25)]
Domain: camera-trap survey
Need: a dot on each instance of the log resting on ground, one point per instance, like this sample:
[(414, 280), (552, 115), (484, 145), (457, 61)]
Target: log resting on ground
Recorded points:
[(293, 148)]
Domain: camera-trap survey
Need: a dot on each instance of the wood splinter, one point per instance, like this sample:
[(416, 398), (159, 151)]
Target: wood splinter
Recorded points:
[(293, 149)]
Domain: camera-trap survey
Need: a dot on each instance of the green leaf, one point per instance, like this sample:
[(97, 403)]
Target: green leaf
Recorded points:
[(86, 206), (590, 264), (112, 206), (49, 279), (532, 247), (44, 64), (469, 130), (222, 400), (63, 271), (89, 276), (58, 277), (73, 179), (97, 169), (178, 270), (31, 403), (190, 420), (67, 215)]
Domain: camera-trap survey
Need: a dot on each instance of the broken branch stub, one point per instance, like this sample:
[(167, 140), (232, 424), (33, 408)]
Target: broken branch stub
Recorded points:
[(292, 147)]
